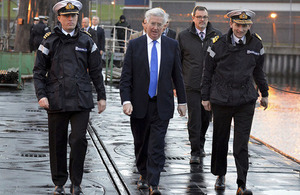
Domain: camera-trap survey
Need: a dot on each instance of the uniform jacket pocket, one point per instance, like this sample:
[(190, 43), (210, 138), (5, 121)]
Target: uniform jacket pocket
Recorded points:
[(54, 94), (85, 96)]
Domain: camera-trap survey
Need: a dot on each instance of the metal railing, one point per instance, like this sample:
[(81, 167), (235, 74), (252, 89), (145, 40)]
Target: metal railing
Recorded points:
[(114, 52)]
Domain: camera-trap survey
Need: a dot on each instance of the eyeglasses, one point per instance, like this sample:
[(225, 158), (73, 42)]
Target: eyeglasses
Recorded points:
[(202, 17)]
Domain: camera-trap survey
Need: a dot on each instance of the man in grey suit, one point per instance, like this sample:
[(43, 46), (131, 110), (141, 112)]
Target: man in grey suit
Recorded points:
[(100, 34), (140, 33), (151, 63), (85, 27), (169, 32)]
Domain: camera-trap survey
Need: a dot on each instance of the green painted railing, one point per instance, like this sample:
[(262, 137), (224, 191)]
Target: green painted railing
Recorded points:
[(23, 61)]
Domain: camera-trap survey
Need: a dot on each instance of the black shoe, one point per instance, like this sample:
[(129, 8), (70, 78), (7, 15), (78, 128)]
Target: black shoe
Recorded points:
[(220, 183), (243, 191), (195, 160), (59, 190), (202, 153), (76, 190), (154, 190), (142, 184)]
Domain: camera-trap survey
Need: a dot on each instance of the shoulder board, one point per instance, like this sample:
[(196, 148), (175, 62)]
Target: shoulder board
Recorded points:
[(47, 35), (215, 39), (258, 36), (88, 33)]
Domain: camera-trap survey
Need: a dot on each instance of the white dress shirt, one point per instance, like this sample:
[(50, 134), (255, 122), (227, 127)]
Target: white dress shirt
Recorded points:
[(66, 33), (236, 40), (94, 27), (158, 48), (198, 32), (149, 49)]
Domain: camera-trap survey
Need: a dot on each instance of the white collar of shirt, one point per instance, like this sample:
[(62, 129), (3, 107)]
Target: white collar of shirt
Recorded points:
[(144, 32), (94, 27), (158, 48), (198, 31), (236, 40), (166, 31), (66, 33)]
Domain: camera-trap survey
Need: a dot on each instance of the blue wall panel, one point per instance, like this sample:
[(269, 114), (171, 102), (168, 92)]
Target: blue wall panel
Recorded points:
[(136, 2)]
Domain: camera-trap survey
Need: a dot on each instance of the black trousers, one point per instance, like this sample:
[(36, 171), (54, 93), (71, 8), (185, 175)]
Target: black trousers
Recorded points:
[(242, 116), (58, 138), (149, 143), (198, 121)]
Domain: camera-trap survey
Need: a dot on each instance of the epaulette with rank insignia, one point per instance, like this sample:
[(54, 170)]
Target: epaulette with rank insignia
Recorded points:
[(47, 35), (258, 36), (215, 38), (88, 33)]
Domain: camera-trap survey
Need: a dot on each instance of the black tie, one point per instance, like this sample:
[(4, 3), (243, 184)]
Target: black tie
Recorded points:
[(240, 43)]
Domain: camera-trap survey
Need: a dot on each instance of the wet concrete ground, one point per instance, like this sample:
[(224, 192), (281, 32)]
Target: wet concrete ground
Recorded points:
[(279, 125), (269, 173), (24, 154), (24, 159)]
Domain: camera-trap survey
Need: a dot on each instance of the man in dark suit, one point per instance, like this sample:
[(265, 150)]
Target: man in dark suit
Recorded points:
[(85, 27), (151, 63), (100, 34), (169, 32), (193, 43)]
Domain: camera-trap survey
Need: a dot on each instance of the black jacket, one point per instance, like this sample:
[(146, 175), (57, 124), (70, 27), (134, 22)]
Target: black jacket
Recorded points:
[(230, 71), (64, 69), (171, 33), (93, 33), (121, 31), (38, 31), (100, 38), (193, 52)]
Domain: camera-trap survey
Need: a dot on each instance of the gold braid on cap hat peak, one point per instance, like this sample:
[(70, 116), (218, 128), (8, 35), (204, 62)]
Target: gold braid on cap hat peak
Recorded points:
[(243, 16), (70, 6)]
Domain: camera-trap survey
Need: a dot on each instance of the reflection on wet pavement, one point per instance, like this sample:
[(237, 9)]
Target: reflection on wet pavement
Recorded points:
[(179, 177), (279, 125)]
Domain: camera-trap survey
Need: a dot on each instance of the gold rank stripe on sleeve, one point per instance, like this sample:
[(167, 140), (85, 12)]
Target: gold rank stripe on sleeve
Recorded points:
[(215, 39), (88, 33), (258, 36), (47, 35)]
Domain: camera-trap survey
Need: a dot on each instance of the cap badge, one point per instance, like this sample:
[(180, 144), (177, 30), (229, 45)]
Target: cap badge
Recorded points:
[(70, 6), (243, 16)]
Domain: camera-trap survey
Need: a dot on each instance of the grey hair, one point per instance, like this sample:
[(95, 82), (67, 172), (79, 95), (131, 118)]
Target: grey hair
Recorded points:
[(96, 18), (159, 12)]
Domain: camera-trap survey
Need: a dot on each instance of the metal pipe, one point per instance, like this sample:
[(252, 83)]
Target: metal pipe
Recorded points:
[(8, 19), (290, 22), (2, 18)]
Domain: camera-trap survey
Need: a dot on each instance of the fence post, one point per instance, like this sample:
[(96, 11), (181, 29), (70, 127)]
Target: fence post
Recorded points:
[(111, 67), (20, 70), (108, 53)]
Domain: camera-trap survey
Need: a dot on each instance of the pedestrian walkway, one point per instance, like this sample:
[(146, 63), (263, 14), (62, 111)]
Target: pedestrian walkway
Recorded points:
[(269, 172), (24, 153), (24, 158)]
